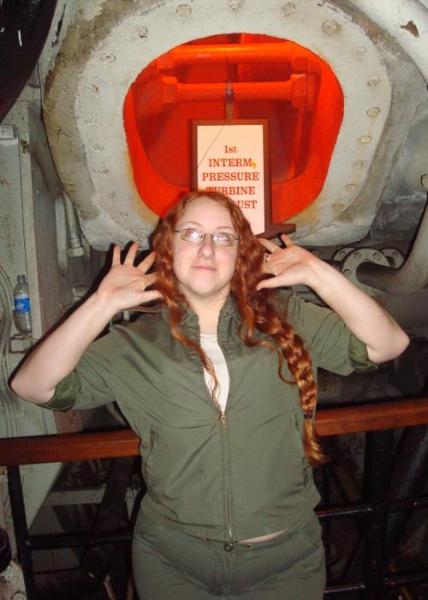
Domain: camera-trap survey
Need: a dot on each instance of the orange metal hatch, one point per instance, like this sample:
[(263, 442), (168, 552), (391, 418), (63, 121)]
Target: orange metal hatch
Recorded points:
[(268, 78)]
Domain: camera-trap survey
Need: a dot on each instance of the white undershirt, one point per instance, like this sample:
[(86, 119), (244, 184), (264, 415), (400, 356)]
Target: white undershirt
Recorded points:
[(210, 346)]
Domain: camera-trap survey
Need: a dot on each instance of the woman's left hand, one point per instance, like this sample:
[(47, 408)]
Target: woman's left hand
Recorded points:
[(292, 265), (367, 320)]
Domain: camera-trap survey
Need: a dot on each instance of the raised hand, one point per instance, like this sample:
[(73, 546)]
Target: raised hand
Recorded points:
[(292, 265), (125, 285)]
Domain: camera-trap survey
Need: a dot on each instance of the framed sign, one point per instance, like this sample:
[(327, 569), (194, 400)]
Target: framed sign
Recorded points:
[(232, 157)]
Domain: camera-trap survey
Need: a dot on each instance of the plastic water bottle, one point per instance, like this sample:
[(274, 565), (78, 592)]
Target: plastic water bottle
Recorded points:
[(22, 311)]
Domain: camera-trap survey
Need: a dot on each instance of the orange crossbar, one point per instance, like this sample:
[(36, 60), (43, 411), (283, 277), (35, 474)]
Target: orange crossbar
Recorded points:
[(166, 92), (275, 52)]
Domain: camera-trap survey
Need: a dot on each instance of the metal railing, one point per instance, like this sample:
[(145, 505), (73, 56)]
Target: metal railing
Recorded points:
[(377, 419)]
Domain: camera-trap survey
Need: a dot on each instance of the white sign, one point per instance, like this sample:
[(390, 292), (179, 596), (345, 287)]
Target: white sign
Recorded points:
[(230, 157)]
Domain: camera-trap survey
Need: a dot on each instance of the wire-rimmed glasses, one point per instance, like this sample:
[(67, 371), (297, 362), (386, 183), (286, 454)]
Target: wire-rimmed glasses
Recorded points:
[(195, 236)]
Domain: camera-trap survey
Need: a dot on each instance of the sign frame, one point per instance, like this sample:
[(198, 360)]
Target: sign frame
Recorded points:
[(231, 136)]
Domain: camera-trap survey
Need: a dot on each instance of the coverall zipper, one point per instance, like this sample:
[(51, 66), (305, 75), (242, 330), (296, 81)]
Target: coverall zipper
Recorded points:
[(221, 416), (228, 511)]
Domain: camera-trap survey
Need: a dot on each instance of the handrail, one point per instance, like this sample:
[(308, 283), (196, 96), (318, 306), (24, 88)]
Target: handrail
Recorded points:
[(68, 447), (373, 416)]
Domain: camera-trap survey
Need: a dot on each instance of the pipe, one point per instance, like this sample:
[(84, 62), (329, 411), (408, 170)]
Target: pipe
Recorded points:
[(76, 245), (411, 277), (294, 91), (277, 52), (167, 91)]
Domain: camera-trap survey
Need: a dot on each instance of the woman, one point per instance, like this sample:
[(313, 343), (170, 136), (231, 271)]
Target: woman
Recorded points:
[(218, 386)]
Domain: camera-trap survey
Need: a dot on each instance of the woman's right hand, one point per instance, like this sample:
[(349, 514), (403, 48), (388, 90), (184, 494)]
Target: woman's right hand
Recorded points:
[(125, 285)]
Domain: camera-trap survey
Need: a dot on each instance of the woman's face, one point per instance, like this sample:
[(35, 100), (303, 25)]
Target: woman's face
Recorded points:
[(204, 270)]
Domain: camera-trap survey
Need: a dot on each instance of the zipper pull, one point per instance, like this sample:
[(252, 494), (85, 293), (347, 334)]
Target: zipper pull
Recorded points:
[(221, 416)]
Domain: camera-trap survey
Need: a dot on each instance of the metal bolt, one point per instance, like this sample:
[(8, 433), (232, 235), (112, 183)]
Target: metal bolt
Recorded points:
[(7, 132), (373, 111), (357, 255), (377, 256), (359, 51), (331, 27), (142, 32), (365, 139), (183, 10), (347, 272), (374, 81), (350, 187), (358, 164)]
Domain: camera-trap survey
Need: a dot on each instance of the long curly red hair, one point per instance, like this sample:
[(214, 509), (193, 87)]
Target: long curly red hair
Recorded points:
[(256, 308)]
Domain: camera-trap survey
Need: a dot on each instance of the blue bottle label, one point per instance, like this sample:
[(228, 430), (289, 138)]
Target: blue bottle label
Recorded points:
[(22, 305)]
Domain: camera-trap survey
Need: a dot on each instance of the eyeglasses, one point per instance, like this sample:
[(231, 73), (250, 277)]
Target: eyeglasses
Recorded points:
[(220, 238)]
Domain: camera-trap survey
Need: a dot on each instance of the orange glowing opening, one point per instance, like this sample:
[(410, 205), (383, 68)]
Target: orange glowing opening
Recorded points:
[(271, 78)]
